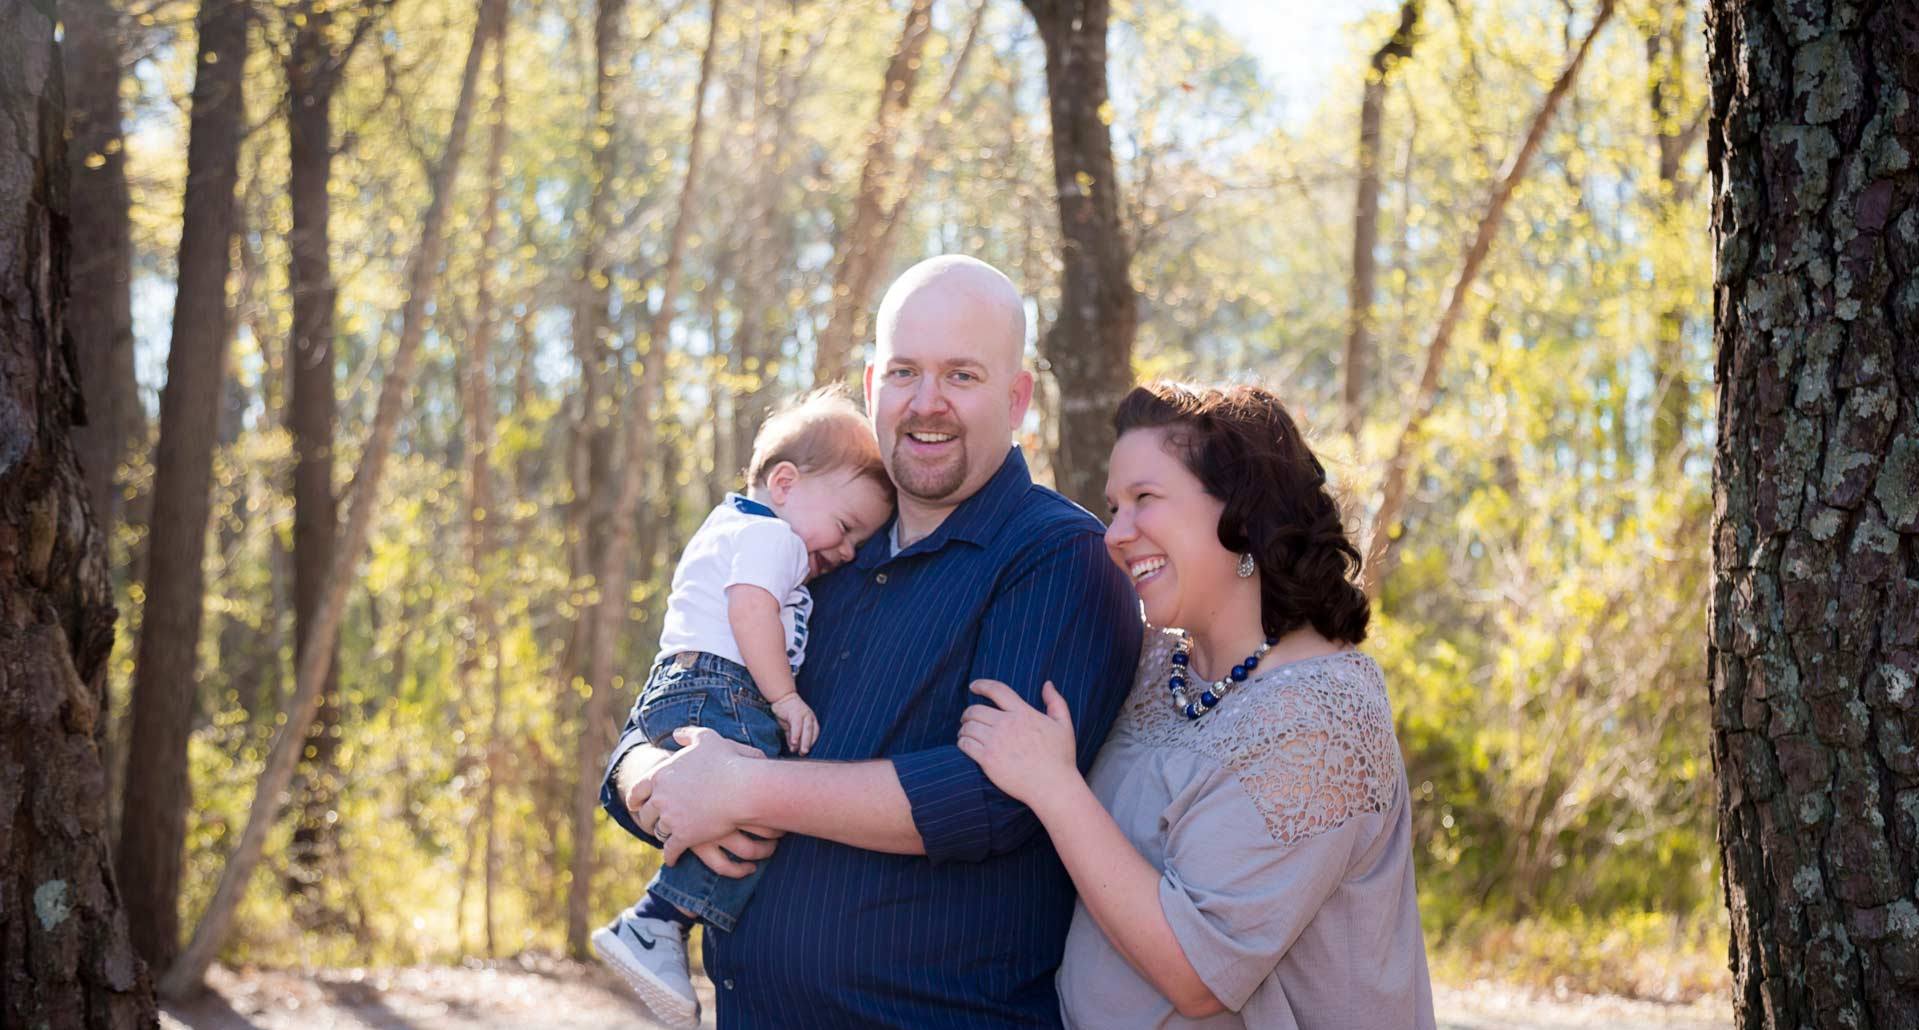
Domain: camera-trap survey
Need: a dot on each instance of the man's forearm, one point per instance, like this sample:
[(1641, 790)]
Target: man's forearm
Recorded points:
[(860, 804)]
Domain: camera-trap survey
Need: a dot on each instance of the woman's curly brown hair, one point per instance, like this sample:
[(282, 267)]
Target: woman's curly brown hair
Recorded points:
[(1246, 451)]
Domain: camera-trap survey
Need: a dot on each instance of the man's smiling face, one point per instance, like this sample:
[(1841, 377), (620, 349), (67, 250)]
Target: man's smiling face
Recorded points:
[(945, 389)]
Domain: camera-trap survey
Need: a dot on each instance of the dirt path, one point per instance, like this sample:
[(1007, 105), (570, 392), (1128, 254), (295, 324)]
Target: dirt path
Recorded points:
[(558, 995)]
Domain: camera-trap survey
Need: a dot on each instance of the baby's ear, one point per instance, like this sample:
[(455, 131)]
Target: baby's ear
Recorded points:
[(780, 479)]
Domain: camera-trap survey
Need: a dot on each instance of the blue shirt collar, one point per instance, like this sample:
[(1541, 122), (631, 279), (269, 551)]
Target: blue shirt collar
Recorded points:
[(975, 520), (748, 505)]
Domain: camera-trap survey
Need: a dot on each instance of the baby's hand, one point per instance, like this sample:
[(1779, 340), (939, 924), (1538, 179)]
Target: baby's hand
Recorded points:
[(798, 722)]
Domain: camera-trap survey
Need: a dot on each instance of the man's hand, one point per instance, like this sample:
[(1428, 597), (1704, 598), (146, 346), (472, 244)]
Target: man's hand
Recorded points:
[(798, 722), (691, 802)]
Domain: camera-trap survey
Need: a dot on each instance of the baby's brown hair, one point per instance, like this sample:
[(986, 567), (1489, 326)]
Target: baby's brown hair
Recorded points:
[(820, 432)]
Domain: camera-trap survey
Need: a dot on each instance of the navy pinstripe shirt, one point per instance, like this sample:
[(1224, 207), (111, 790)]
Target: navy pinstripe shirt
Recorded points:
[(1014, 585)]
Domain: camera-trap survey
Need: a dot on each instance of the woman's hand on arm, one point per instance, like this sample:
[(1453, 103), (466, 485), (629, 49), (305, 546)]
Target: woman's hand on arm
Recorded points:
[(1028, 754)]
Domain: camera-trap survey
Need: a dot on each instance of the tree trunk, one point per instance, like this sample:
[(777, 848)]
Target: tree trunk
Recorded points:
[(1814, 648), (477, 404), (66, 958), (186, 976), (1665, 57), (594, 463), (153, 819), (1090, 344), (102, 327), (1386, 530), (613, 575), (858, 265), (312, 72), (1372, 105)]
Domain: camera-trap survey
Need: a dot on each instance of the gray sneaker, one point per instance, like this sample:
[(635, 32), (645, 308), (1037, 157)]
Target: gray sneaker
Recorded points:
[(651, 955)]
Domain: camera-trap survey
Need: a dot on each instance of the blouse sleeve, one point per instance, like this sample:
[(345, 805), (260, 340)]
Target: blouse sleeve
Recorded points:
[(1259, 845)]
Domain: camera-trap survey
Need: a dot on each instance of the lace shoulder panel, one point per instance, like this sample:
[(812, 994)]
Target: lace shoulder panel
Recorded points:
[(1311, 743)]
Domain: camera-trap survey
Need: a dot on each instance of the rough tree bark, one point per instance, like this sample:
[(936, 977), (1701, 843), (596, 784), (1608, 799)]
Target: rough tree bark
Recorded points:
[(66, 958), (1399, 470), (1372, 106), (1814, 649), (614, 575), (1090, 343), (166, 667), (186, 976), (858, 265), (102, 252)]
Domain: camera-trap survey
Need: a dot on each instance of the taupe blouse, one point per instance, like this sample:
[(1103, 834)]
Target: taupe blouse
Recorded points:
[(1280, 824)]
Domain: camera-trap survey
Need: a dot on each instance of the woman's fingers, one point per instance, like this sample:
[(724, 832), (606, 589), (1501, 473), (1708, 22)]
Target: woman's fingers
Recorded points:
[(999, 693), (1056, 708), (985, 715)]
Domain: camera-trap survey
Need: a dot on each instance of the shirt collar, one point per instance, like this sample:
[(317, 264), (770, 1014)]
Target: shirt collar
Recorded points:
[(749, 506), (975, 520)]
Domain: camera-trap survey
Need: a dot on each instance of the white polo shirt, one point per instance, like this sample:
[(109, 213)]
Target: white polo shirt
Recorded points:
[(741, 541)]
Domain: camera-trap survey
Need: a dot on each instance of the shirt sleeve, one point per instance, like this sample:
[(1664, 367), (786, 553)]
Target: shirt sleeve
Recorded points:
[(1070, 617), (769, 555), (1256, 853), (631, 736)]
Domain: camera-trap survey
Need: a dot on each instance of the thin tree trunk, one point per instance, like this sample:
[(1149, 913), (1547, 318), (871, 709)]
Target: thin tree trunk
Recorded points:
[(66, 958), (102, 327), (238, 643), (612, 577), (186, 976), (1665, 56), (477, 394), (858, 265), (931, 142), (313, 70), (1090, 344), (1814, 647), (1372, 106), (166, 667), (1386, 529), (594, 462)]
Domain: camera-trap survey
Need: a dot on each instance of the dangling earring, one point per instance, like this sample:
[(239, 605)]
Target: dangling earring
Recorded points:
[(1246, 566)]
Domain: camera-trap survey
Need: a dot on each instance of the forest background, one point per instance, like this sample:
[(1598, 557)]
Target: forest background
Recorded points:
[(1504, 362)]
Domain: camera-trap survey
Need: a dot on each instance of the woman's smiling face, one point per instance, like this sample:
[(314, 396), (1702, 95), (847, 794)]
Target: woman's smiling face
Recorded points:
[(1165, 531)]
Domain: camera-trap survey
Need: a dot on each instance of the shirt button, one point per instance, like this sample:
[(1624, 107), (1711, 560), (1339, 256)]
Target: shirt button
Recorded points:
[(844, 655), (727, 983), (880, 579)]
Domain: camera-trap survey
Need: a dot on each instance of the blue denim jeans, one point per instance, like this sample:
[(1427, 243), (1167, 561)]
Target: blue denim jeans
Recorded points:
[(697, 689)]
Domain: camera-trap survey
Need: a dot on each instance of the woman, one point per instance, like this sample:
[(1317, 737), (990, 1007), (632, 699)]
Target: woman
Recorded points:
[(1242, 845)]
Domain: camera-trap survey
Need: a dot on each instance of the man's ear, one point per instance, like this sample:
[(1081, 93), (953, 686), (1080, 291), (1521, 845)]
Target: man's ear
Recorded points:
[(780, 479), (866, 387), (1022, 396)]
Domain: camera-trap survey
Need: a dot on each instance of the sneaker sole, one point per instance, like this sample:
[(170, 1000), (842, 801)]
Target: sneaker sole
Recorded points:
[(668, 1005)]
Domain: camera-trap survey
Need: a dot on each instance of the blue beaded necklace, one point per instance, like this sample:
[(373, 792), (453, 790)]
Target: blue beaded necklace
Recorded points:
[(1214, 692)]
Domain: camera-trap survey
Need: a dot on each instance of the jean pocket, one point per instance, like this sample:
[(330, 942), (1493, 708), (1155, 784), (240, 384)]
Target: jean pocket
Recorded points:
[(662, 714), (744, 694)]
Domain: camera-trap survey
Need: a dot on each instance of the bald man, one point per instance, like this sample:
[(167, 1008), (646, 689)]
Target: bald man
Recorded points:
[(907, 890)]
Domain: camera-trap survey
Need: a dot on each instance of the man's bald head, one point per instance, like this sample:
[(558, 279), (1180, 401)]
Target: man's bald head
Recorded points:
[(958, 291)]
